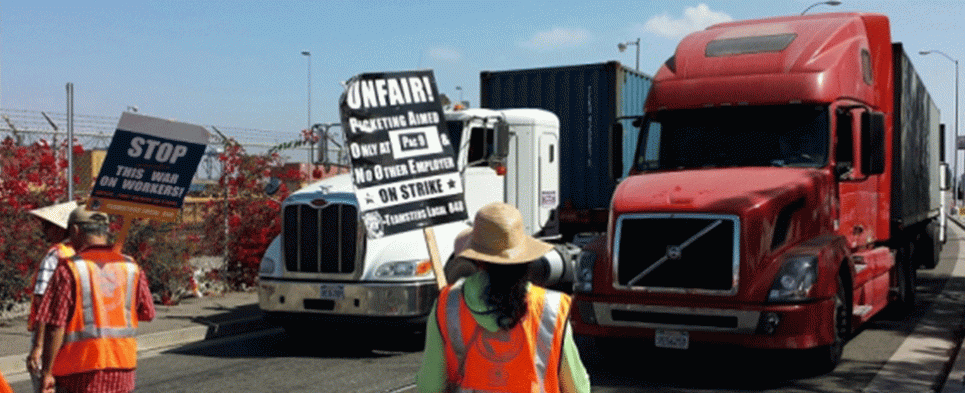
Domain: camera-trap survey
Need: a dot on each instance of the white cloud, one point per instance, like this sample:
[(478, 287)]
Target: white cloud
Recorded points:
[(557, 38), (445, 54), (694, 19)]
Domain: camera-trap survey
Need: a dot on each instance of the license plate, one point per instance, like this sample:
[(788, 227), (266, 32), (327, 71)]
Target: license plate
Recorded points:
[(332, 292), (673, 339)]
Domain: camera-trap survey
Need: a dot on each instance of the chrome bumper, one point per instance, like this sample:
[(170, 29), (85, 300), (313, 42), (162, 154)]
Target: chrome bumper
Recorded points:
[(684, 318), (403, 299)]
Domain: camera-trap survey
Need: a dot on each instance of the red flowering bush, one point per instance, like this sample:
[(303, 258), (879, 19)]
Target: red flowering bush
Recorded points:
[(163, 250), (242, 219), (252, 217), (30, 177)]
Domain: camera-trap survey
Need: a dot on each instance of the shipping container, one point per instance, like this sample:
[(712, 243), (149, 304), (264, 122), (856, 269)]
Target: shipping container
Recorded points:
[(917, 144), (596, 105)]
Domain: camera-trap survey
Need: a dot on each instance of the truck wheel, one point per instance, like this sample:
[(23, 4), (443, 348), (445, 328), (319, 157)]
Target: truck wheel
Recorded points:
[(929, 247), (906, 283), (827, 357)]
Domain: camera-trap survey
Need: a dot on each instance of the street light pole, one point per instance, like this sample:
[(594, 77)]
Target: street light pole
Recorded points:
[(460, 94), (831, 3), (623, 46), (955, 179), (311, 150)]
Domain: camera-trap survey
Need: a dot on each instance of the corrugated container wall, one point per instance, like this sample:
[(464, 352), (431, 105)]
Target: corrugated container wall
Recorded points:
[(596, 104), (916, 145)]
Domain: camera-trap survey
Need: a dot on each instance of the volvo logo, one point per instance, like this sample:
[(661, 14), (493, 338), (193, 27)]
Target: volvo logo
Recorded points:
[(673, 252)]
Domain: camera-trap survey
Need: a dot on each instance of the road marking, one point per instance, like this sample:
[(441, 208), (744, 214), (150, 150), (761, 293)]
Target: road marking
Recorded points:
[(406, 388), (919, 362)]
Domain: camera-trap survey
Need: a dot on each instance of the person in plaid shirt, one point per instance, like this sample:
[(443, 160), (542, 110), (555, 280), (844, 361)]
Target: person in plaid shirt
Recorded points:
[(54, 222), (79, 332)]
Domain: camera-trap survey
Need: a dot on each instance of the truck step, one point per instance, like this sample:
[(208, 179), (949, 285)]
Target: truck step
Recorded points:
[(862, 310)]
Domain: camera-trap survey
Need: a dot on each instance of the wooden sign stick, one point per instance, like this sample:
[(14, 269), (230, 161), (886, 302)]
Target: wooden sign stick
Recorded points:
[(430, 235)]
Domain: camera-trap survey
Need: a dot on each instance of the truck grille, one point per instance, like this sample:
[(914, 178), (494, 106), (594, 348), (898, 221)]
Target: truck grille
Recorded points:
[(322, 239), (687, 253)]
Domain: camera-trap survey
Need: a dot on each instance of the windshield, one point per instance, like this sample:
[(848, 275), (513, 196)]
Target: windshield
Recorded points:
[(792, 135)]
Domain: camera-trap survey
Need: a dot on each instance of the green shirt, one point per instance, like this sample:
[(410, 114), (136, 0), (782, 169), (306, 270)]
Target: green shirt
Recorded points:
[(432, 374)]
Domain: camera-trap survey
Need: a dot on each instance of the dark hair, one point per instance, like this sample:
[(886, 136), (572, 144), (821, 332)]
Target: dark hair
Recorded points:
[(506, 293)]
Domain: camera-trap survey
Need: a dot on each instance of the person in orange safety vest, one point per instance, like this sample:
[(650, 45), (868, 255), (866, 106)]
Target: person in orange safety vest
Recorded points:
[(89, 344), (494, 331), (54, 227)]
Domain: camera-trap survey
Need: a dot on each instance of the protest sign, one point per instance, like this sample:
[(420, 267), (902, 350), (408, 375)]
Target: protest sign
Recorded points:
[(148, 168), (403, 166)]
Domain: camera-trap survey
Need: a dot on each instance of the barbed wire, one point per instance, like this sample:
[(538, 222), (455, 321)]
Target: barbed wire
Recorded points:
[(95, 132)]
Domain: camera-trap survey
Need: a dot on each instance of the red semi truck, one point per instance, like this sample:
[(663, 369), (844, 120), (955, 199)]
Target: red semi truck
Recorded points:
[(785, 190)]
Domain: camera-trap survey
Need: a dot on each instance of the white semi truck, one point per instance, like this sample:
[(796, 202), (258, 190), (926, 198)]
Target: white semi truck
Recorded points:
[(325, 270)]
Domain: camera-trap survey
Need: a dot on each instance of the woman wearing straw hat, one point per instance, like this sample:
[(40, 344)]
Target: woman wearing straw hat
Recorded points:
[(494, 331)]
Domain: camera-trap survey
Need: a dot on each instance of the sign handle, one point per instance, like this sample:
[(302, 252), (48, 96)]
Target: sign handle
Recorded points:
[(430, 235), (122, 235)]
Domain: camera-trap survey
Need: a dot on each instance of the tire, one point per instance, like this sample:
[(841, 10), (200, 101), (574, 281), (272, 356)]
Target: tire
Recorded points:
[(826, 358), (905, 290), (929, 247)]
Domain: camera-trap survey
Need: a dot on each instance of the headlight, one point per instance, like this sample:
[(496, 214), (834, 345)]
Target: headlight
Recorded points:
[(403, 269), (795, 279), (267, 266), (584, 272)]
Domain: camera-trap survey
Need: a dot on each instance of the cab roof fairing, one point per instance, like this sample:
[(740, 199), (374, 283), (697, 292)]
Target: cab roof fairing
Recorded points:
[(526, 116), (822, 63)]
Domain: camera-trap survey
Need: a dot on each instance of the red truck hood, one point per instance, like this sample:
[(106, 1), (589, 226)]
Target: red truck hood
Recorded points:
[(717, 190)]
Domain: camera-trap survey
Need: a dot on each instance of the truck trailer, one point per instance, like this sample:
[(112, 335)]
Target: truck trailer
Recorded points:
[(785, 189), (596, 104)]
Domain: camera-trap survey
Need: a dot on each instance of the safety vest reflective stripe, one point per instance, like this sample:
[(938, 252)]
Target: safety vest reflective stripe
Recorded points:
[(452, 320), (547, 328)]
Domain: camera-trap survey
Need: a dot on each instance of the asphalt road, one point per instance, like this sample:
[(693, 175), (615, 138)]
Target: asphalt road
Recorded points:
[(887, 354)]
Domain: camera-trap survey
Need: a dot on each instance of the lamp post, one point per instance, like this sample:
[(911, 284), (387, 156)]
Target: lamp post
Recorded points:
[(311, 150), (955, 179), (623, 46), (460, 94), (831, 3)]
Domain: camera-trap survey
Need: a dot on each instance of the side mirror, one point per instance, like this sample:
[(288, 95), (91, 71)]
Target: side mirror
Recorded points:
[(872, 143), (501, 141)]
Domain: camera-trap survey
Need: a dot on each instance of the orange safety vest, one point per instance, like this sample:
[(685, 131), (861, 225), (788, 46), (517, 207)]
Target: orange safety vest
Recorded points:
[(63, 251), (4, 386), (100, 333), (525, 358)]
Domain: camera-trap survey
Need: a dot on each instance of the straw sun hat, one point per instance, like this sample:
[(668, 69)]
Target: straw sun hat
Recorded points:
[(56, 214), (498, 237)]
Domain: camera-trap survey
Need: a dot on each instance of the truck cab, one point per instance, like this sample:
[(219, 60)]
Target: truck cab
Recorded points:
[(784, 191), (325, 269)]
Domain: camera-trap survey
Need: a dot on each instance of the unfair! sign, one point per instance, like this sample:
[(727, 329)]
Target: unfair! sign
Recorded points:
[(148, 167), (402, 161)]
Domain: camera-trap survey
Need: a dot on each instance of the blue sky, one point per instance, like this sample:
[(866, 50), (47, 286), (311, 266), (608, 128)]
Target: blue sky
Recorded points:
[(239, 63)]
